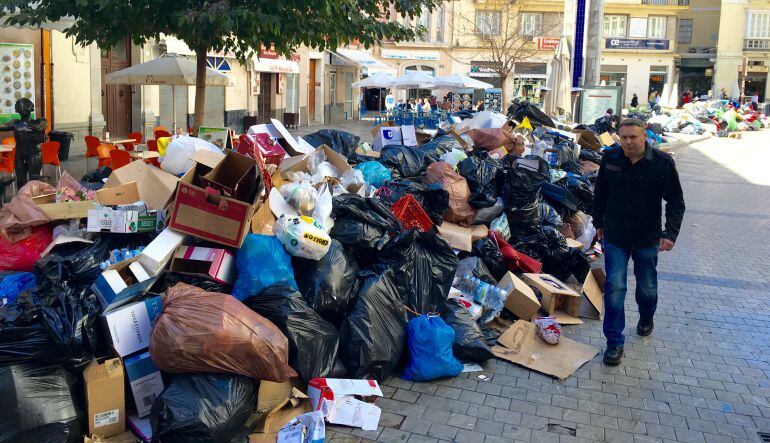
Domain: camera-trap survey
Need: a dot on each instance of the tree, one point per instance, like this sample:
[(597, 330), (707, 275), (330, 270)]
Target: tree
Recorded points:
[(238, 26), (503, 39)]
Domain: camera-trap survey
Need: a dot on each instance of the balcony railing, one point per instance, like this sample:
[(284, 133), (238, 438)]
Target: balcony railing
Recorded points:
[(756, 44), (666, 2)]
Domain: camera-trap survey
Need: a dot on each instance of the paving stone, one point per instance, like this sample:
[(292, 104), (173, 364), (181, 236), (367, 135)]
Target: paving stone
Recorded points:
[(497, 402), (393, 435), (415, 425), (688, 436), (488, 427), (441, 431), (466, 436)]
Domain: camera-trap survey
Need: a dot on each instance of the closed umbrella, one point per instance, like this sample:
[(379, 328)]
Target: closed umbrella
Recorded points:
[(673, 99), (168, 69), (460, 81), (559, 82)]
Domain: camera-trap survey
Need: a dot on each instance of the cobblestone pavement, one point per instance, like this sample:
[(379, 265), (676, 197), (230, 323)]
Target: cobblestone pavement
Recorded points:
[(704, 374)]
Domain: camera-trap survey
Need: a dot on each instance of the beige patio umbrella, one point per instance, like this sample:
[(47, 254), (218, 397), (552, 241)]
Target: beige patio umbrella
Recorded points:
[(559, 82), (168, 69)]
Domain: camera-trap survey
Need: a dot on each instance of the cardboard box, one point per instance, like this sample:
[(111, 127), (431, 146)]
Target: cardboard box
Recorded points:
[(461, 138), (337, 399), (155, 255), (558, 299), (279, 403), (105, 399), (606, 139), (155, 186), (206, 214), (125, 437), (520, 344), (302, 164), (460, 237), (121, 282), (125, 219), (145, 380), (234, 177), (521, 300), (286, 141), (592, 304), (62, 211), (215, 264), (130, 326)]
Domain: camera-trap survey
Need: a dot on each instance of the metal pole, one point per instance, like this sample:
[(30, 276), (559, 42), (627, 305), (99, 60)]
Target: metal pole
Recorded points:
[(595, 18), (173, 110)]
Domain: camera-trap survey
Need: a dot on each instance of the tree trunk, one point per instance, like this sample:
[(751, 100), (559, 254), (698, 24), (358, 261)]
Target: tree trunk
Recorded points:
[(200, 88), (505, 98)]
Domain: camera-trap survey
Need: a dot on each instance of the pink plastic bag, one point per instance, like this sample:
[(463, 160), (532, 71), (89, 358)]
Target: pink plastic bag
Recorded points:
[(22, 255), (21, 214)]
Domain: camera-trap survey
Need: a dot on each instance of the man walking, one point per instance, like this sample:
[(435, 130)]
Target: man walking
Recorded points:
[(631, 185)]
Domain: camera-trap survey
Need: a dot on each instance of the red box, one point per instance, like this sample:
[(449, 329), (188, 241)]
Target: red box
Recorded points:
[(265, 144), (411, 215)]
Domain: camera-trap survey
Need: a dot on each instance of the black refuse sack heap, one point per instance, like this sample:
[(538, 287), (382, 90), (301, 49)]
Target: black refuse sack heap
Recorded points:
[(341, 142), (470, 344), (313, 341), (403, 161), (433, 198), (362, 224), (202, 408), (483, 174)]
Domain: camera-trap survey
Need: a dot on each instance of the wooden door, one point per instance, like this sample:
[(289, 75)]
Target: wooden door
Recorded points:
[(311, 91), (116, 99), (264, 100)]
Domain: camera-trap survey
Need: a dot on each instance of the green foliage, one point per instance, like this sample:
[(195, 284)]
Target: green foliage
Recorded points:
[(239, 26)]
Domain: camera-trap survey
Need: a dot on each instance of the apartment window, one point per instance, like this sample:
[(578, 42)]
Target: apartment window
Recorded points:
[(758, 25), (615, 25), (656, 27), (424, 21), (440, 24), (685, 31), (531, 23), (488, 22)]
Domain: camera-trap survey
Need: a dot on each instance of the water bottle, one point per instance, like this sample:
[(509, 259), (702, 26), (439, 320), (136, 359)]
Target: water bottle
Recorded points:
[(489, 296)]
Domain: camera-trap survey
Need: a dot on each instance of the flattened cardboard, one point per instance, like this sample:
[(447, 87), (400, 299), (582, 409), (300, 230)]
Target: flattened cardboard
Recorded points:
[(105, 398), (263, 220), (592, 305), (572, 243), (521, 300), (521, 345), (67, 210), (125, 437), (558, 299), (294, 404), (156, 186), (337, 399), (288, 142), (119, 195)]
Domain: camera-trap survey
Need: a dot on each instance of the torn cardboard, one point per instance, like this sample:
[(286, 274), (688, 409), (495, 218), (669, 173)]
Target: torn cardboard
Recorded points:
[(234, 177), (592, 305), (341, 401), (460, 237), (302, 164), (263, 220), (606, 139), (105, 398), (520, 344), (292, 404), (558, 299), (521, 300)]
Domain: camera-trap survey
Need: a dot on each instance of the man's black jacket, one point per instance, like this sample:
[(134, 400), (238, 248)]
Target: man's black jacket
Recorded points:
[(628, 198)]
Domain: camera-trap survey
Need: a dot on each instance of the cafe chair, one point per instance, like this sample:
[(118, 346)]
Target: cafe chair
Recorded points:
[(104, 153), (161, 133), (119, 158), (8, 166), (8, 141), (92, 146), (137, 137), (152, 145), (50, 153)]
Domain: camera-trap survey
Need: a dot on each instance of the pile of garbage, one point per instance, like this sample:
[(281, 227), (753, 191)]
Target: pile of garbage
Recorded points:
[(717, 117), (256, 293)]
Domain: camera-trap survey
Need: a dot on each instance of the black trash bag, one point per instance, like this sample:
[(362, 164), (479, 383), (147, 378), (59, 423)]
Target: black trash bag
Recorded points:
[(545, 244), (206, 284), (22, 336), (549, 216), (602, 125), (519, 184), (202, 408), (482, 173), (313, 341), (438, 146), (591, 156), (525, 216), (581, 190), (373, 336), (576, 264), (97, 175), (571, 167), (469, 344), (490, 254), (328, 284), (38, 405), (474, 266), (425, 265), (363, 225), (341, 142), (559, 197), (536, 116), (406, 161), (485, 216), (433, 198)]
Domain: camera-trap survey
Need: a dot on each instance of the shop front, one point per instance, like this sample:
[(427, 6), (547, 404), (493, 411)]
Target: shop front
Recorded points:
[(696, 74), (275, 83), (528, 81), (373, 98), (756, 80), (341, 102)]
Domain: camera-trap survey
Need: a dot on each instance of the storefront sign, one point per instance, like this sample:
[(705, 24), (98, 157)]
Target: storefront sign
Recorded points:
[(629, 43), (410, 55), (268, 53), (475, 69), (547, 43), (295, 58)]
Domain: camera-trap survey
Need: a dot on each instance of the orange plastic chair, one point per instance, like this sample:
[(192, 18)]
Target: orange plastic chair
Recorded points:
[(152, 145), (103, 152), (8, 165), (128, 146), (161, 127), (8, 141), (50, 151), (120, 158), (92, 147), (137, 136), (161, 133)]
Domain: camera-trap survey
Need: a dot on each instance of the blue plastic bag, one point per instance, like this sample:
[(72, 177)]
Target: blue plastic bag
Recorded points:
[(430, 349), (13, 284), (374, 173), (262, 261)]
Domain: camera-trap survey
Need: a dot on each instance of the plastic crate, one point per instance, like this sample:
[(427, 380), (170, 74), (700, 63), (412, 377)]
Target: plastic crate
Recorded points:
[(411, 215)]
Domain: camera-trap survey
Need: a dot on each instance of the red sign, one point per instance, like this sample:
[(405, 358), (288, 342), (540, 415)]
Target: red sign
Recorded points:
[(295, 58), (547, 43), (267, 53)]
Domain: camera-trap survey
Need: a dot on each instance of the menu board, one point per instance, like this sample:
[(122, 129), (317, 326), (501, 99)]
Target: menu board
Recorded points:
[(493, 99), (595, 100), (462, 99), (17, 77)]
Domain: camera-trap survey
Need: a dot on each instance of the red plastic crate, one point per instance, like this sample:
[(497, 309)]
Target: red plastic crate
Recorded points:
[(411, 215)]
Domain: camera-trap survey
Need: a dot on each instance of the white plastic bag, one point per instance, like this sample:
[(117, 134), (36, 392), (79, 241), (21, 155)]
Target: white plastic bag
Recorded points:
[(180, 151), (306, 428), (588, 234), (454, 157), (302, 236)]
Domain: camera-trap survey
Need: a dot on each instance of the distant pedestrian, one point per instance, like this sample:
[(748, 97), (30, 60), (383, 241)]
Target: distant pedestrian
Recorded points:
[(755, 101), (634, 101), (480, 106), (633, 182), (653, 98)]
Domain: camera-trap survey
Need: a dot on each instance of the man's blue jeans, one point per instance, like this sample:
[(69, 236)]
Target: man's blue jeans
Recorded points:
[(616, 265)]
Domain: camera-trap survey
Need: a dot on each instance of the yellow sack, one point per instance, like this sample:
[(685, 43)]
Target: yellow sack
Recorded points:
[(162, 145)]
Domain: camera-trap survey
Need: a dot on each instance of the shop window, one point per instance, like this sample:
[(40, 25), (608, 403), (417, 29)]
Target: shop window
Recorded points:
[(488, 22), (615, 25), (424, 21), (531, 23), (656, 27), (440, 24), (685, 31)]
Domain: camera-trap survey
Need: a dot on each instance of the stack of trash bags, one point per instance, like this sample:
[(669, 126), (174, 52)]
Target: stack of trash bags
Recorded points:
[(400, 277)]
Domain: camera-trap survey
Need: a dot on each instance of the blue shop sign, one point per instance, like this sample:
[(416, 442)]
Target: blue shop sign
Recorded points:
[(632, 43)]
